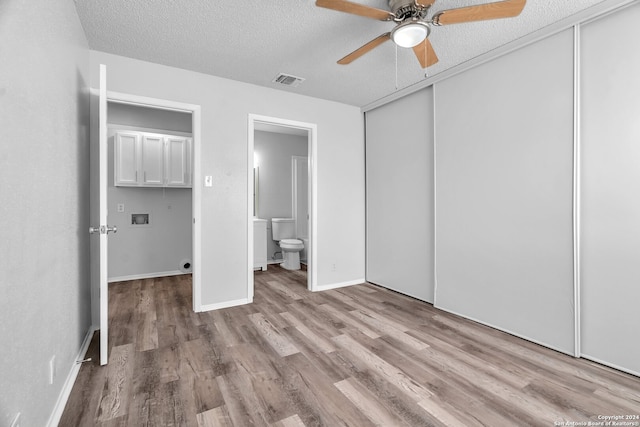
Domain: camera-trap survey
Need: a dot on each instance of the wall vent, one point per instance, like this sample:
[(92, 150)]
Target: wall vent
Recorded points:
[(288, 80)]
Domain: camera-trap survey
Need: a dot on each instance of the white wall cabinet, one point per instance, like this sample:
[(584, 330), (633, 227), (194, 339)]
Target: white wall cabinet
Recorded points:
[(152, 160), (178, 162)]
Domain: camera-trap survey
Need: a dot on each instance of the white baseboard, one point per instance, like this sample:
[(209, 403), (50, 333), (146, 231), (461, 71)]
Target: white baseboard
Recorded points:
[(63, 397), (610, 365), (225, 304), (319, 288), (146, 276)]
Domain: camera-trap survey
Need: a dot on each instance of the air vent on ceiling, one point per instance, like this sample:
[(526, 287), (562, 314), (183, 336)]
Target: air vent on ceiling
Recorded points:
[(288, 80)]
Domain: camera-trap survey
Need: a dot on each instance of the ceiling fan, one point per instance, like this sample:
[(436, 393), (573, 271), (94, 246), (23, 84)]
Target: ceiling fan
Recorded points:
[(412, 25)]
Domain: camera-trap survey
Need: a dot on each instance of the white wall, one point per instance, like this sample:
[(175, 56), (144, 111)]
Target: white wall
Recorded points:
[(150, 118), (610, 183), (274, 151), (44, 251), (226, 105)]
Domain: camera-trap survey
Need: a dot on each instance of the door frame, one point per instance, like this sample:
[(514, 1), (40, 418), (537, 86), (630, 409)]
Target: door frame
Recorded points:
[(196, 190), (312, 147)]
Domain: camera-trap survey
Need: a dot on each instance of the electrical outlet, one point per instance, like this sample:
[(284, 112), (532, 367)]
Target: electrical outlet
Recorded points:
[(16, 420), (52, 369), (333, 267), (120, 207)]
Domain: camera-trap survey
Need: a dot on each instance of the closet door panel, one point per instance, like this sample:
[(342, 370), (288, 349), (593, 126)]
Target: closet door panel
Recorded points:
[(610, 185), (504, 181), (399, 168)]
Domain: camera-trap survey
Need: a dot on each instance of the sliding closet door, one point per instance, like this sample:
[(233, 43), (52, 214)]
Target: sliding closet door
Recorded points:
[(504, 156), (399, 164), (610, 184)]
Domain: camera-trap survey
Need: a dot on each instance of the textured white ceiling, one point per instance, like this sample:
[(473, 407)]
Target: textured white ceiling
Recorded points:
[(254, 40)]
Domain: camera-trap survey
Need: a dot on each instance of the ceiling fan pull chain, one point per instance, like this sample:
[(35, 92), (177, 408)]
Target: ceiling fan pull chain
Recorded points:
[(396, 67), (426, 59)]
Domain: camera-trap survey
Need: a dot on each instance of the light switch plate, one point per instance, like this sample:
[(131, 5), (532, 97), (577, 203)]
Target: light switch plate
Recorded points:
[(208, 181)]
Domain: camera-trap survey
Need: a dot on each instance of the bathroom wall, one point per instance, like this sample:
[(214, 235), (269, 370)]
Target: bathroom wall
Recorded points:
[(272, 154), (158, 248)]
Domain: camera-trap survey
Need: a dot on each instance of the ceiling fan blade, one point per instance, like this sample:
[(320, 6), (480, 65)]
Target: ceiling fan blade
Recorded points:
[(501, 9), (356, 9), (425, 3), (364, 49), (425, 53)]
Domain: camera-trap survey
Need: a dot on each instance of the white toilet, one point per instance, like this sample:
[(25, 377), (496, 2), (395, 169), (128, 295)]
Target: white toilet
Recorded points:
[(284, 232)]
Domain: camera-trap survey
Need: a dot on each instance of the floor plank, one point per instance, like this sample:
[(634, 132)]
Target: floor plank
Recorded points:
[(355, 356)]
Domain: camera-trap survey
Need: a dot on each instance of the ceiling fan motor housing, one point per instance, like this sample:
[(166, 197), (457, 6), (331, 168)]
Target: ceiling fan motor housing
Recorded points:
[(403, 9)]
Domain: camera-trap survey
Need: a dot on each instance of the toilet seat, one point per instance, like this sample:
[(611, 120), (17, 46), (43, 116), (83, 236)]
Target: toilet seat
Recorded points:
[(291, 244)]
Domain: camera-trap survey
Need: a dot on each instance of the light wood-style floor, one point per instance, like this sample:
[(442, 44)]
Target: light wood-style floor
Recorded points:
[(356, 356)]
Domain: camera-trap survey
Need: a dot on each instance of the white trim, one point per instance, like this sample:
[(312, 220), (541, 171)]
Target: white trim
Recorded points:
[(610, 365), (312, 152), (435, 189), (63, 397), (196, 208), (576, 189), (145, 101), (196, 117), (320, 288), (103, 163), (116, 127), (507, 331), (605, 7), (225, 304), (146, 276)]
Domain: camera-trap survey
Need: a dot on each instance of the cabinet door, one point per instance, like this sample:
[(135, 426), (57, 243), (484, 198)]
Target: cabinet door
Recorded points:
[(152, 164), (178, 159), (126, 164)]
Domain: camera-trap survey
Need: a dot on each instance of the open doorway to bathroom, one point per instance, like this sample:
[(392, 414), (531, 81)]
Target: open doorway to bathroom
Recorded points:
[(281, 185)]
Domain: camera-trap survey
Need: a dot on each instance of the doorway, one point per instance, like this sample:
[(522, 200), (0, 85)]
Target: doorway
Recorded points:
[(287, 127), (98, 200), (151, 212), (196, 195)]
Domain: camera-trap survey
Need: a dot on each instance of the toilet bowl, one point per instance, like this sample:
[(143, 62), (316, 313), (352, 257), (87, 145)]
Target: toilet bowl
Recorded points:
[(283, 230), (291, 253)]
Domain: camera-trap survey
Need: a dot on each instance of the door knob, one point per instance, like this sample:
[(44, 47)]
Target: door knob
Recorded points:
[(103, 229)]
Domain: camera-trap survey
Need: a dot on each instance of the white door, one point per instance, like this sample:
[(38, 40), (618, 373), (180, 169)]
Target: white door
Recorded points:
[(100, 229), (300, 172)]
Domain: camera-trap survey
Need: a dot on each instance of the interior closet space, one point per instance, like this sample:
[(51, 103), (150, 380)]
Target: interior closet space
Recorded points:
[(149, 192), (610, 184), (399, 191)]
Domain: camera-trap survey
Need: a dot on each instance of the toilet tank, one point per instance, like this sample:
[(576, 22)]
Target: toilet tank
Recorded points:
[(283, 228)]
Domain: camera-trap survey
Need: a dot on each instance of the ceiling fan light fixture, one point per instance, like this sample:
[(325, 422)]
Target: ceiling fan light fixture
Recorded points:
[(410, 33)]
